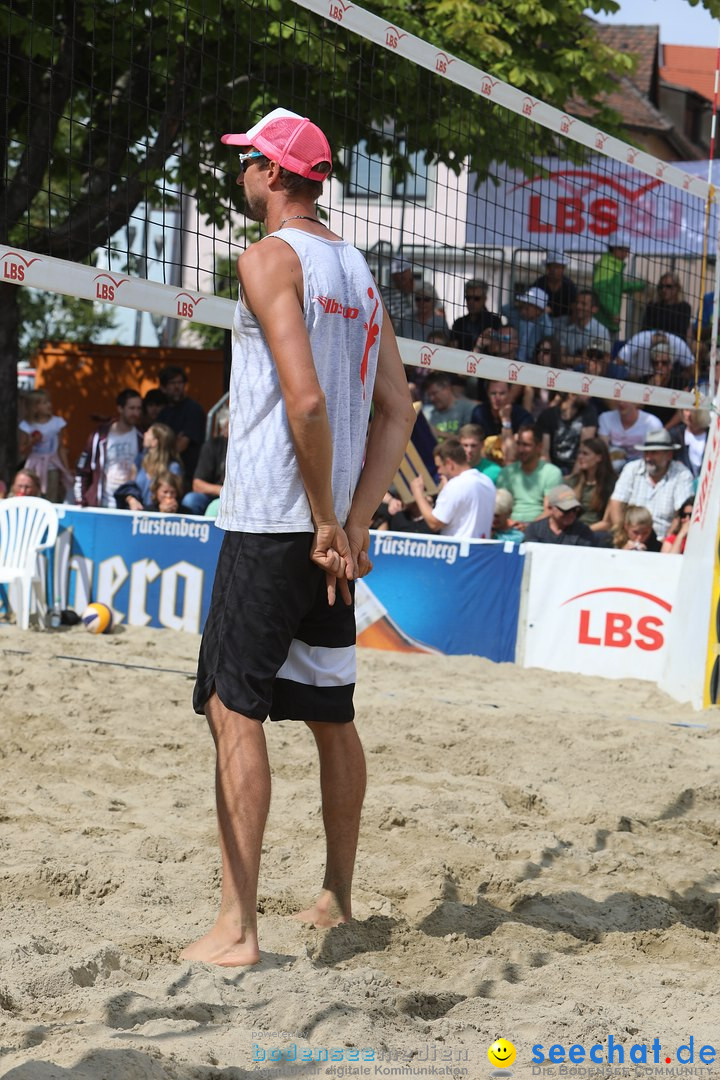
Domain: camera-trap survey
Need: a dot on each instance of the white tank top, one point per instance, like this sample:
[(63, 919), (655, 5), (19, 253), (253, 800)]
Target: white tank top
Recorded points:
[(263, 489)]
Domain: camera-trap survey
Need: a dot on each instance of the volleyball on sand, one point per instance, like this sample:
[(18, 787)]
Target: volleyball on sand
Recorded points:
[(97, 618)]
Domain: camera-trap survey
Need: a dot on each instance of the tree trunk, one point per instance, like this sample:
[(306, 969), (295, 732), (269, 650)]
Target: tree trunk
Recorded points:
[(9, 326)]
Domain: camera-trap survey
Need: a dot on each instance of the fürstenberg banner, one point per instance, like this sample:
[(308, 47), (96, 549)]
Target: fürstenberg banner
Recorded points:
[(582, 208)]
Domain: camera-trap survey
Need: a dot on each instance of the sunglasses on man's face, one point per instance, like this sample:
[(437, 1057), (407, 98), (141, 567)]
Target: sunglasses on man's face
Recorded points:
[(246, 160), (594, 354)]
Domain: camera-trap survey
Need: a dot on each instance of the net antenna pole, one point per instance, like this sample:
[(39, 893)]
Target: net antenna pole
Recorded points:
[(716, 294)]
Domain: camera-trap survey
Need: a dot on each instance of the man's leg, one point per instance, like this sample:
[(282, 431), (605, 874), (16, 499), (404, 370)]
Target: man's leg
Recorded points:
[(242, 783), (342, 783)]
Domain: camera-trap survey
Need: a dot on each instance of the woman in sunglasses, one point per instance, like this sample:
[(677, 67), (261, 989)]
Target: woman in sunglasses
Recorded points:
[(674, 542), (669, 312)]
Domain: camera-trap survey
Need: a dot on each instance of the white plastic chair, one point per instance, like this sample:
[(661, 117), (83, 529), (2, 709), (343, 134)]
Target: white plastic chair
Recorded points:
[(27, 526)]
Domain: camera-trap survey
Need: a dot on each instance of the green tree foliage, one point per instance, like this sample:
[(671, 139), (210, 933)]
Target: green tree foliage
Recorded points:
[(48, 316), (112, 103)]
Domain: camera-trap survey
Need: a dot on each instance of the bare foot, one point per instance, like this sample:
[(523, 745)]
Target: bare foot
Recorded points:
[(324, 913), (218, 948)]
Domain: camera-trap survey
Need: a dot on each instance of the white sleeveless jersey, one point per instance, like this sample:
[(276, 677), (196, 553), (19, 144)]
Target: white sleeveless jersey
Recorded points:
[(263, 489)]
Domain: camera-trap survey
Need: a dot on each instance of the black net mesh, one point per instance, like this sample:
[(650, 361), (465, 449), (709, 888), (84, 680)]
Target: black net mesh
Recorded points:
[(111, 157)]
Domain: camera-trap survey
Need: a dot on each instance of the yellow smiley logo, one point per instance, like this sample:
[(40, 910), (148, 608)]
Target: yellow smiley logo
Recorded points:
[(501, 1054)]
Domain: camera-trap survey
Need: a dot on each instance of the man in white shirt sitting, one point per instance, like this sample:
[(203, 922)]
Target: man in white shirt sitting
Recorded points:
[(623, 429), (466, 502)]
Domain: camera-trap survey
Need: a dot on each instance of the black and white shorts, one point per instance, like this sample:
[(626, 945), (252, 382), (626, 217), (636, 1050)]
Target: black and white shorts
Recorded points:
[(272, 645)]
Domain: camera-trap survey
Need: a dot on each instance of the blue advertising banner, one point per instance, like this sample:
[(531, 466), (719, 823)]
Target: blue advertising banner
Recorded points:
[(455, 596)]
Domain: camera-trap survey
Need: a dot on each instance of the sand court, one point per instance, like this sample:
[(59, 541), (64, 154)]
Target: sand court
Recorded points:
[(538, 861)]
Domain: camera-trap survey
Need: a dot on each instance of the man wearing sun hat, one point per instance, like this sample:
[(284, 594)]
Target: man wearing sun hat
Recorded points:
[(311, 352), (654, 481)]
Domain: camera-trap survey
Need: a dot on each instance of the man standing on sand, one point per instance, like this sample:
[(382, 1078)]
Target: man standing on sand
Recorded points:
[(310, 353)]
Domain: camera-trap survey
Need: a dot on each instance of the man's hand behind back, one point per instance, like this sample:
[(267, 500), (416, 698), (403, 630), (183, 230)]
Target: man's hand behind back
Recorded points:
[(331, 552)]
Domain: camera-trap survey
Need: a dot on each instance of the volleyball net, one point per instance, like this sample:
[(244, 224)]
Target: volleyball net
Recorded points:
[(116, 189)]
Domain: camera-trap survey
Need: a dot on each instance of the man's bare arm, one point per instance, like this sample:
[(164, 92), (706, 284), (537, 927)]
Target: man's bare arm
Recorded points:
[(390, 429)]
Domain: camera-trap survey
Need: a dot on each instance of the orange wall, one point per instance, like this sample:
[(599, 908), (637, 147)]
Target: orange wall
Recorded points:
[(84, 380)]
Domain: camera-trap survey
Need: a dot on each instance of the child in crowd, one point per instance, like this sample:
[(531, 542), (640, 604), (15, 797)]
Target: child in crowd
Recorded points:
[(47, 457), (166, 491), (501, 530), (636, 532)]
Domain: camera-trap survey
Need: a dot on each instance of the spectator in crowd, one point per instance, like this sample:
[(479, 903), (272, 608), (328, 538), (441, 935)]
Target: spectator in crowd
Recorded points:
[(636, 353), (691, 435), (502, 529), (669, 312), (582, 327), (593, 481), (468, 328), (609, 283), (502, 341), (445, 412), (498, 415), (635, 531), (535, 399), (656, 482), (427, 317), (472, 440), (466, 502), (153, 404), (595, 360), (530, 318), (562, 525), (561, 290), (675, 541), (158, 458), (529, 479), (623, 428), (564, 426), (166, 493), (663, 375), (394, 515), (210, 473), (398, 295), (185, 416), (108, 459), (705, 314), (25, 482), (547, 353), (47, 457)]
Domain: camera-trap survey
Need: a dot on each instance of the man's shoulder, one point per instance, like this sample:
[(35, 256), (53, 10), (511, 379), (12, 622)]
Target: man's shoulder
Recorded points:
[(548, 472), (538, 531), (679, 472)]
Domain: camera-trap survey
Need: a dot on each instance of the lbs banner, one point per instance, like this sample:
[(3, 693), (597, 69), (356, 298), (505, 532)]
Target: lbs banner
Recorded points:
[(426, 593), (584, 207), (597, 612)]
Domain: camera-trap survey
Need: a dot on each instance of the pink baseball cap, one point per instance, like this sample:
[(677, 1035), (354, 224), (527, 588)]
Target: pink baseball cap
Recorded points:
[(290, 139)]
